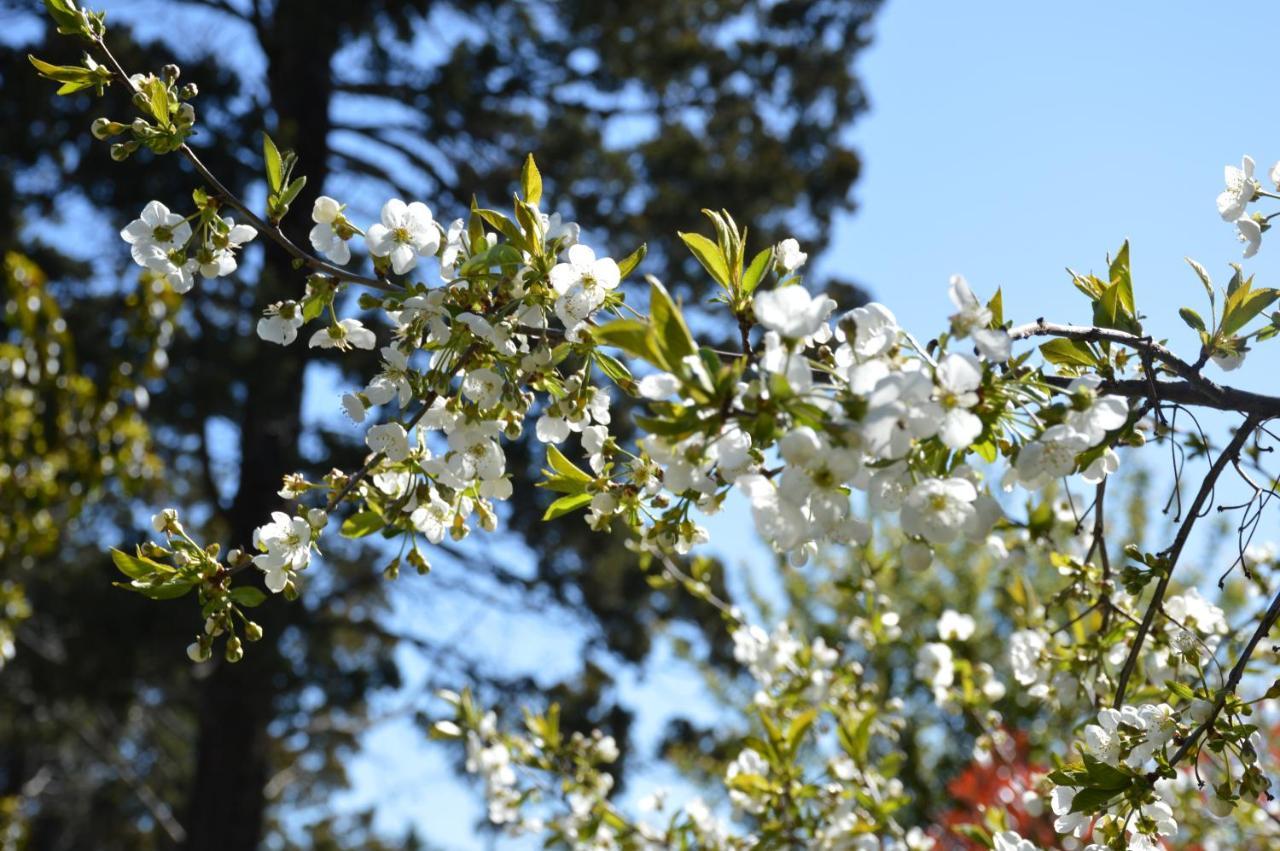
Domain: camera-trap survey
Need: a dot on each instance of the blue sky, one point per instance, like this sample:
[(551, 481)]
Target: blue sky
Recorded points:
[(1006, 142)]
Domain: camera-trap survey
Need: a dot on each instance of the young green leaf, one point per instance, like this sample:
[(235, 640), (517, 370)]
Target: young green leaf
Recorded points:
[(134, 567), (1065, 352), (708, 254), (564, 466), (632, 260), (756, 271), (362, 524), (271, 156), (566, 504), (248, 596), (531, 181), (673, 334)]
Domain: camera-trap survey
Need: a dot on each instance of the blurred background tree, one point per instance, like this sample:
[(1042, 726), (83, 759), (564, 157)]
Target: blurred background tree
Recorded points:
[(637, 113)]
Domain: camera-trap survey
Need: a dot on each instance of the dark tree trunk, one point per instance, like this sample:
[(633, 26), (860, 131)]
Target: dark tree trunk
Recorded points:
[(226, 809)]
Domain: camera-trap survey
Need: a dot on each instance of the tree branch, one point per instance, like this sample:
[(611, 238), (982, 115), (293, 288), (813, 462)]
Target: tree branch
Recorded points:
[(1094, 334), (1233, 680), (268, 230), (1174, 551), (1186, 393)]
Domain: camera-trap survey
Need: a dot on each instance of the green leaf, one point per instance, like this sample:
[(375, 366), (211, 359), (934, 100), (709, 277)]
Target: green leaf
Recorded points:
[(134, 567), (291, 191), (65, 16), (1064, 352), (73, 78), (1106, 776), (248, 596), (1192, 318), (1243, 305), (531, 181), (1121, 278), (996, 306), (271, 156), (1203, 275), (168, 591), (359, 525), (158, 100), (756, 271), (632, 260), (566, 504), (798, 727), (1091, 800), (630, 335), (673, 334), (503, 225), (615, 369), (751, 784), (564, 466), (709, 255)]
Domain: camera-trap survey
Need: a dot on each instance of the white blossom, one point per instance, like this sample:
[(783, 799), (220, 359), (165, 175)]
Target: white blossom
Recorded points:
[(405, 233), (154, 235), (792, 311), (325, 236), (1241, 187), (390, 439), (789, 255), (938, 510), (285, 545), (280, 323), (347, 334)]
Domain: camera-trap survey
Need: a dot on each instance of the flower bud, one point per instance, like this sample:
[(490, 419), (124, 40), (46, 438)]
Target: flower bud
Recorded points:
[(171, 72), (252, 632), (235, 650), (446, 730), (105, 128), (198, 650), (392, 570), (188, 91), (121, 150), (316, 518)]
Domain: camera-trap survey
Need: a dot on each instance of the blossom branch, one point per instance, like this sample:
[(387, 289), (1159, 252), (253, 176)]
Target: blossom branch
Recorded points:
[(1186, 393), (1233, 680), (1095, 334), (1174, 551), (255, 221)]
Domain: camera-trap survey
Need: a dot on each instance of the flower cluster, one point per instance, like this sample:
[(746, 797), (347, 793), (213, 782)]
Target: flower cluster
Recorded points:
[(819, 419), (162, 242)]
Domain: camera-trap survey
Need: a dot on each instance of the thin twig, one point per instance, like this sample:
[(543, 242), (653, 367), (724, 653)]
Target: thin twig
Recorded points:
[(1172, 554), (1233, 680)]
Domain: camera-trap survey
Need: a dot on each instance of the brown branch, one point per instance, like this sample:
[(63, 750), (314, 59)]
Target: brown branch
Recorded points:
[(1233, 680), (1174, 551), (1094, 334), (1186, 393)]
